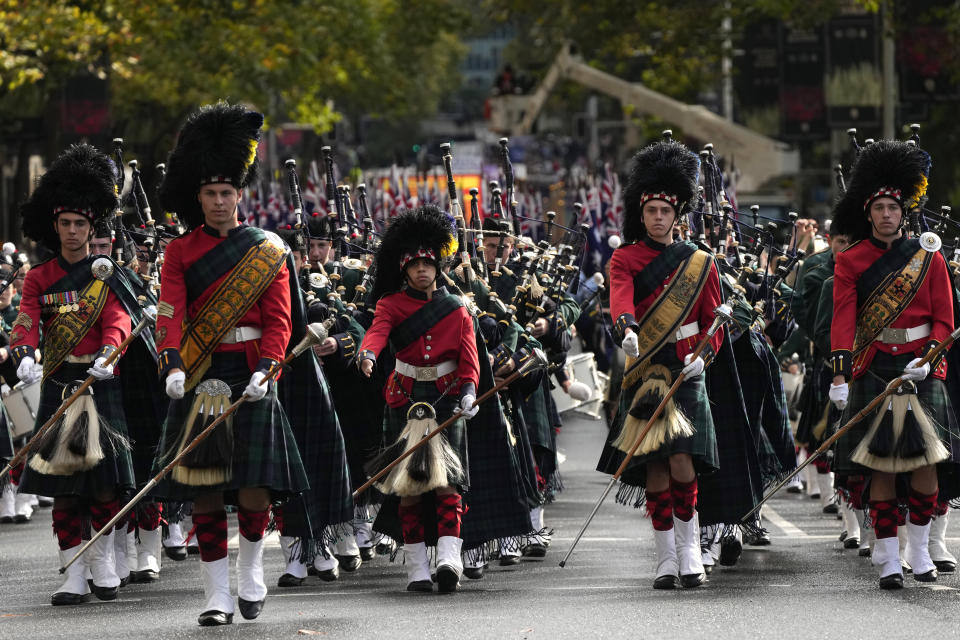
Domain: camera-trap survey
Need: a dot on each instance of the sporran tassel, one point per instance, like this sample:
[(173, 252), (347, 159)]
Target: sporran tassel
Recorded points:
[(431, 466), (209, 463), (671, 424)]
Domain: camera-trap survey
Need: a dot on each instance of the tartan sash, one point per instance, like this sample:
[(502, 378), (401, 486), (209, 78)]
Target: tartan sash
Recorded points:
[(220, 260), (65, 330), (668, 312), (652, 276), (235, 295), (886, 289), (423, 319)]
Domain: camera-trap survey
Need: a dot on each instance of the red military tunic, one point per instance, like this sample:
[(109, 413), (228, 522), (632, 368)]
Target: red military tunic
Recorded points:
[(931, 304), (629, 260), (270, 313), (452, 338), (111, 328)]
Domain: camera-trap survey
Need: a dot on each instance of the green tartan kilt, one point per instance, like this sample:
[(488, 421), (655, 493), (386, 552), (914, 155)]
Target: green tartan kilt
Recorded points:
[(265, 453), (115, 471), (6, 444), (885, 367), (691, 398), (394, 421)]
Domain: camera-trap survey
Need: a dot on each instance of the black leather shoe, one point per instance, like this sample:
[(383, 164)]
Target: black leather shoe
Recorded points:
[(448, 581), (21, 518), (368, 553), (63, 598), (289, 580), (929, 576), (194, 551), (6, 519), (831, 508), (893, 581), (509, 561), (708, 569), (125, 581), (794, 489), (423, 586), (386, 548), (851, 543), (175, 553), (762, 540), (474, 573), (349, 563), (692, 580), (535, 550), (250, 609), (666, 582), (814, 496), (329, 575), (214, 618), (145, 576), (945, 566), (865, 552), (730, 551), (105, 593)]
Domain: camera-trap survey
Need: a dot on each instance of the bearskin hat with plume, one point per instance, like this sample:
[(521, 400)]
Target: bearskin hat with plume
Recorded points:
[(81, 180), (662, 168), (888, 168), (425, 227), (217, 144)]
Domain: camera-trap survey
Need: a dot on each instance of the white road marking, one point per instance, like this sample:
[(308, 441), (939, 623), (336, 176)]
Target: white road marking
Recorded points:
[(782, 523)]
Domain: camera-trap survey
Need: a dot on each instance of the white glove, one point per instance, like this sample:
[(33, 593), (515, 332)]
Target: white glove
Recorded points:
[(838, 395), (692, 368), (27, 371), (466, 406), (256, 391), (630, 345), (99, 371), (914, 373), (175, 384)]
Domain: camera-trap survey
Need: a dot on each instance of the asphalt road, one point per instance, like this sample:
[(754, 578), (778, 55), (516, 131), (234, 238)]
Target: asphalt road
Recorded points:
[(803, 586)]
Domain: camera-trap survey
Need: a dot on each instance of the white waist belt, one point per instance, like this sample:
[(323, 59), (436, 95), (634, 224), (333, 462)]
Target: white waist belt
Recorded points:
[(426, 374), (241, 334), (687, 331), (904, 336)]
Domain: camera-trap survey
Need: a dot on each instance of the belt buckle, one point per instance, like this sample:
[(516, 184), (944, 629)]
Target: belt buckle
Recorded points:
[(895, 336), (426, 374)]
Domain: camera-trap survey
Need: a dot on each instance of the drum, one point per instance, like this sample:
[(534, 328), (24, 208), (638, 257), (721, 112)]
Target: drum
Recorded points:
[(582, 367), (22, 403)]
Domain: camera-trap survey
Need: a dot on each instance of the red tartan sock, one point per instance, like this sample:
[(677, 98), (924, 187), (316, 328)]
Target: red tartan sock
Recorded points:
[(922, 507), (253, 524), (410, 524), (684, 498), (278, 519), (102, 512), (941, 508), (68, 527), (855, 487), (15, 474), (211, 532), (660, 509), (131, 521), (884, 515), (149, 517), (449, 512)]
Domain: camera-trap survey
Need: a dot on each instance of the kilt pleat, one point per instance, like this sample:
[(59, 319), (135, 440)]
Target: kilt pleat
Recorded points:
[(144, 404)]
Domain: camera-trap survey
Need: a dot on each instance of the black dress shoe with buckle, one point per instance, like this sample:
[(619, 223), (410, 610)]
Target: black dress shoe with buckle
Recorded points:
[(945, 566), (214, 618), (349, 563), (250, 609), (666, 582), (692, 580), (892, 581), (290, 580), (176, 554)]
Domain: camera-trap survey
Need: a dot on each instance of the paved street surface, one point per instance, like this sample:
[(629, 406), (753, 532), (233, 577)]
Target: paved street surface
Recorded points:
[(804, 585)]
